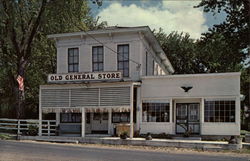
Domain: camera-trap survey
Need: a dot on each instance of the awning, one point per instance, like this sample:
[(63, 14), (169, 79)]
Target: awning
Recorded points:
[(87, 109)]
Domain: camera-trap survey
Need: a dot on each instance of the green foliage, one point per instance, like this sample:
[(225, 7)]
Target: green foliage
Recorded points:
[(224, 48), (25, 49), (32, 130), (5, 136), (229, 41), (124, 135), (180, 50)]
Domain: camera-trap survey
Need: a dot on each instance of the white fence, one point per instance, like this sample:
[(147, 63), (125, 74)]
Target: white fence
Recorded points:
[(21, 126)]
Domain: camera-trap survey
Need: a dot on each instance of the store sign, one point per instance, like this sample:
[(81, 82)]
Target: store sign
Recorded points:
[(80, 77)]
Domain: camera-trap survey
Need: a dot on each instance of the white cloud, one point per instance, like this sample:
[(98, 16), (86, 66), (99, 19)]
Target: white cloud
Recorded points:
[(171, 16)]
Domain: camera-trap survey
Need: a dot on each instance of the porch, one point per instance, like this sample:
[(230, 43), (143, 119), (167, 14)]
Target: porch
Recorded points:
[(94, 104)]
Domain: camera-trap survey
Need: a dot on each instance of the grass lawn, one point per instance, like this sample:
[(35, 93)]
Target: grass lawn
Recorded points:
[(4, 136)]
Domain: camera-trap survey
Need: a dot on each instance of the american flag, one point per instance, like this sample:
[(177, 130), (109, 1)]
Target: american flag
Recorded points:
[(20, 82)]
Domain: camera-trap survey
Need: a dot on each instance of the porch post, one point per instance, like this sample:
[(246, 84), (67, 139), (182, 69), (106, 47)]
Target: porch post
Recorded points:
[(83, 122), (109, 121), (202, 108), (131, 112), (138, 109), (171, 114), (40, 114), (57, 118)]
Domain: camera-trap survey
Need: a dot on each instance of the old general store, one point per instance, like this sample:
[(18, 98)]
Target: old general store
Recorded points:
[(121, 75)]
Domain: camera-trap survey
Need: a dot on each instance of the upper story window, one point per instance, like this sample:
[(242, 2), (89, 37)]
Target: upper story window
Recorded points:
[(73, 60), (123, 59), (97, 58)]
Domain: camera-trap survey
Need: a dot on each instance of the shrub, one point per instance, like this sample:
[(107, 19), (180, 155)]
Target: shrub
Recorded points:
[(33, 130), (124, 135)]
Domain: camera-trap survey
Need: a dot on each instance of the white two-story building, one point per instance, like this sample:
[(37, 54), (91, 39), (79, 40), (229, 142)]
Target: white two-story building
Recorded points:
[(121, 75)]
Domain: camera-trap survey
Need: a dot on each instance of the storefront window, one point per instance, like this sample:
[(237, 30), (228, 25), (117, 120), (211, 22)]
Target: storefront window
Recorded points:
[(120, 117), (71, 117), (219, 111), (155, 112)]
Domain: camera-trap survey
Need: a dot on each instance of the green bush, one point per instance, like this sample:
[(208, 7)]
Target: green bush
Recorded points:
[(124, 135), (33, 130)]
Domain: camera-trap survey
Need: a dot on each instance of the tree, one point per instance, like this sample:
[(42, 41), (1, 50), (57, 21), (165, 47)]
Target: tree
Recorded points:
[(181, 51), (235, 32), (24, 47), (235, 28)]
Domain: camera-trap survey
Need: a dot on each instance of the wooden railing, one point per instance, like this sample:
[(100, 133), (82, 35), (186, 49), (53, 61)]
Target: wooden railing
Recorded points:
[(21, 126)]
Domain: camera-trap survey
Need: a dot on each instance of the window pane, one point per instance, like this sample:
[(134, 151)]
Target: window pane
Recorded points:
[(125, 56), (100, 49), (120, 57), (76, 59), (97, 116), (71, 69), (100, 57), (95, 67), (120, 49), (75, 52), (100, 67), (120, 66), (71, 52), (94, 51), (95, 58), (125, 48), (71, 60), (126, 65), (75, 67)]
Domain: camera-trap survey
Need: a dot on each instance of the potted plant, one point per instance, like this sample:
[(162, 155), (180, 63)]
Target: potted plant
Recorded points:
[(124, 135), (148, 136)]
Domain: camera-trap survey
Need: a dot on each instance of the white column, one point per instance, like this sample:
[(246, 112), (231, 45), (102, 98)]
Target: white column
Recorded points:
[(171, 114), (40, 114), (110, 122), (202, 115), (174, 115), (138, 109), (83, 122), (237, 113), (131, 112), (57, 118)]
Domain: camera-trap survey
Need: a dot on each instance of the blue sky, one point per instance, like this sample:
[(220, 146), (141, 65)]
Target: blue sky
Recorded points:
[(170, 15)]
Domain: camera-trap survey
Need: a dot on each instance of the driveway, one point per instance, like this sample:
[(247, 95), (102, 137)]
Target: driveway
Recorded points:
[(36, 151)]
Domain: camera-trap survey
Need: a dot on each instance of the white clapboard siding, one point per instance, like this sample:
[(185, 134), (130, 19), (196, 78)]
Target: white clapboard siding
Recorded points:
[(83, 96), (115, 96), (55, 97)]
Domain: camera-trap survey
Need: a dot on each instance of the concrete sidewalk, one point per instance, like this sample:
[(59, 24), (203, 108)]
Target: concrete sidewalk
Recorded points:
[(194, 144)]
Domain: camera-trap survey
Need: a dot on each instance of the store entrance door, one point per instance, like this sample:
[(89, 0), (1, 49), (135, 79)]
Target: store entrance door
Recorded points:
[(99, 123), (188, 118)]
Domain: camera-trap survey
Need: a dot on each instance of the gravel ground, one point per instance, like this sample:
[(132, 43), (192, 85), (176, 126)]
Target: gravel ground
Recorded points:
[(44, 151), (242, 152)]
